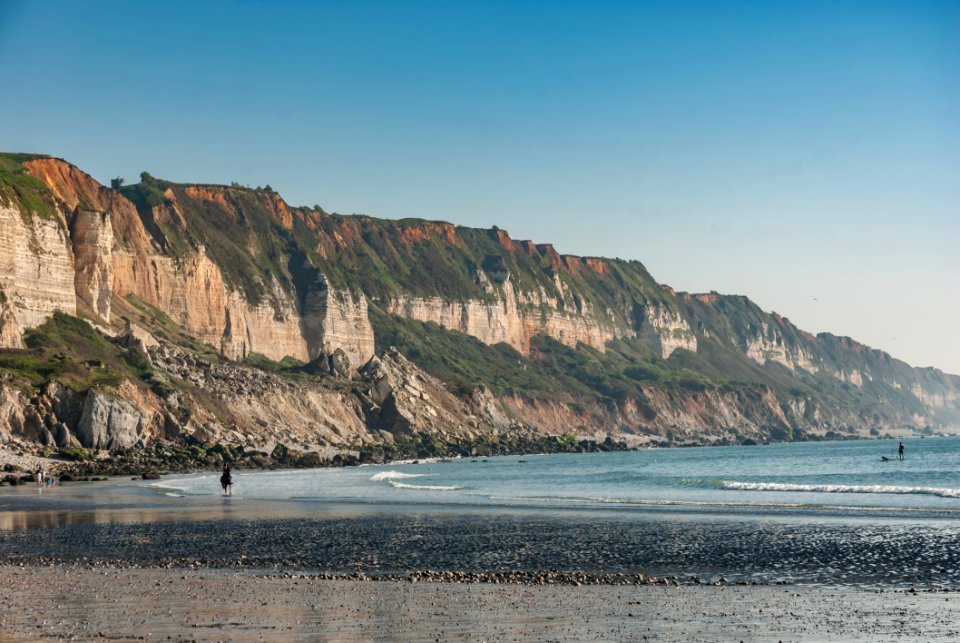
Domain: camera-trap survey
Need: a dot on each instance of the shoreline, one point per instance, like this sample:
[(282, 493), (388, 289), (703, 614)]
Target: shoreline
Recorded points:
[(18, 460), (64, 601)]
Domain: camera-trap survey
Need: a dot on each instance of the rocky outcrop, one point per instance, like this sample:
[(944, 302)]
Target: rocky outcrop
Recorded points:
[(108, 422), (336, 319), (12, 420), (385, 397), (666, 330), (404, 400), (766, 343), (10, 329)]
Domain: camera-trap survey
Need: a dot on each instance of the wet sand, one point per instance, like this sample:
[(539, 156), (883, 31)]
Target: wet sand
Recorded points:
[(84, 603), (693, 549)]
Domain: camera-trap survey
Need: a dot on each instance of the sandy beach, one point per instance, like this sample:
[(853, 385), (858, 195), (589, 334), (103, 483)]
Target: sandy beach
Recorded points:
[(83, 603), (128, 560)]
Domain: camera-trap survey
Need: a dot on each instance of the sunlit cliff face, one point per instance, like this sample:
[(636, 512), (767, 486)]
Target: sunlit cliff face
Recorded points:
[(241, 271)]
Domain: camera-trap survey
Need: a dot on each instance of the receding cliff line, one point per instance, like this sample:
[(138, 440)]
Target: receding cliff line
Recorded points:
[(587, 344)]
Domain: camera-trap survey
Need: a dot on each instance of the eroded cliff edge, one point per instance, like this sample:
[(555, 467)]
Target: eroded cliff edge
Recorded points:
[(511, 336)]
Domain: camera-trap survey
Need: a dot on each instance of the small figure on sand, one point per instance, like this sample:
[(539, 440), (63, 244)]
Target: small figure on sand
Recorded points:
[(226, 481), (39, 476), (900, 450)]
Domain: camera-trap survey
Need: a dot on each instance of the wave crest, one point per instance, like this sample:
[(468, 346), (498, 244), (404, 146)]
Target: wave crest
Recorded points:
[(943, 492), (394, 475), (427, 487)]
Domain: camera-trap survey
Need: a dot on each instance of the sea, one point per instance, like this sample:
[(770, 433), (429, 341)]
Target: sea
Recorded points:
[(852, 479)]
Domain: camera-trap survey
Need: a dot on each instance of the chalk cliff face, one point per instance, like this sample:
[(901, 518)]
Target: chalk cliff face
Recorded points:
[(562, 342), (510, 317), (109, 252), (666, 331), (36, 271), (152, 248)]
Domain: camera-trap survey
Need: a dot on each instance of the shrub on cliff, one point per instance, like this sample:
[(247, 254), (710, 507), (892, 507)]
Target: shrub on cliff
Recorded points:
[(75, 454)]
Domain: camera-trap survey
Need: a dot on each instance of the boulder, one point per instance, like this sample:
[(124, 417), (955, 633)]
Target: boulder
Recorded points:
[(340, 363), (172, 429), (33, 425), (310, 459), (11, 413), (380, 391), (108, 423), (65, 403), (61, 435), (141, 338), (319, 366), (372, 369)]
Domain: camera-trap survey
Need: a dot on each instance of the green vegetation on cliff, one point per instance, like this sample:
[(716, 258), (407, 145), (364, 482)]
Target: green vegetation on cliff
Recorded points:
[(269, 251), (551, 371), (258, 241), (413, 257), (66, 349), (239, 234), (17, 186)]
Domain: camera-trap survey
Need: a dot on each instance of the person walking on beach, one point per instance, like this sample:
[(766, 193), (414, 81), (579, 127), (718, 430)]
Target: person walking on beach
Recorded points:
[(226, 480), (900, 450), (39, 476)]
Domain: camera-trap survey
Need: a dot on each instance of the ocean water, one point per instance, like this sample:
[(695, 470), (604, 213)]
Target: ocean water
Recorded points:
[(831, 479)]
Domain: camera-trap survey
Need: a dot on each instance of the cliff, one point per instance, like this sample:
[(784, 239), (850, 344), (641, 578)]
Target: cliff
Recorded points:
[(509, 334), (149, 248)]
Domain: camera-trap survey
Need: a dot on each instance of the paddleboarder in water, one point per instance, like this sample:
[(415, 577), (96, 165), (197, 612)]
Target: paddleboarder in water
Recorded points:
[(900, 450), (226, 481)]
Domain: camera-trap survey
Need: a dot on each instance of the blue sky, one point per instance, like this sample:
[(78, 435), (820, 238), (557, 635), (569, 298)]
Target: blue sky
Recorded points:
[(806, 154)]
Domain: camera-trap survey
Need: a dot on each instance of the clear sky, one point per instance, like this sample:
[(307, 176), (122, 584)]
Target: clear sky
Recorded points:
[(806, 154)]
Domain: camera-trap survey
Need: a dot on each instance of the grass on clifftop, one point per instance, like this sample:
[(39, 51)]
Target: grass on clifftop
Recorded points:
[(239, 234), (17, 186)]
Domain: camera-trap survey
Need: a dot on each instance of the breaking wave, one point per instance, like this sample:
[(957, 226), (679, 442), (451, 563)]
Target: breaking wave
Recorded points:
[(943, 492), (427, 487), (393, 478), (394, 475)]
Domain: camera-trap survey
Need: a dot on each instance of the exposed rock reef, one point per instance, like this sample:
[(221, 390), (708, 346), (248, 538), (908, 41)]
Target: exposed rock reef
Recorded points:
[(222, 314)]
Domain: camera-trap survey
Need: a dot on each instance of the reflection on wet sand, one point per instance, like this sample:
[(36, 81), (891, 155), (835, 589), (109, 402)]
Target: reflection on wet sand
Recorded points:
[(23, 520), (126, 501)]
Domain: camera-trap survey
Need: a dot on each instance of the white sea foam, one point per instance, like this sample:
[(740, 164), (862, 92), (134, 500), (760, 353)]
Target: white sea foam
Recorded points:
[(640, 502), (417, 461), (943, 492), (394, 475), (170, 484), (427, 487)]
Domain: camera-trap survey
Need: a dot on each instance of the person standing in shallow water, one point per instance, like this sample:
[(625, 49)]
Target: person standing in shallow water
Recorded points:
[(901, 451), (226, 480)]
